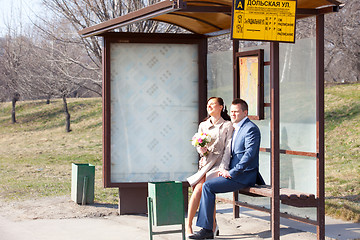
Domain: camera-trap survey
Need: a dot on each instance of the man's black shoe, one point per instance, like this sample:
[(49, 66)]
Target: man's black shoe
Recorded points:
[(203, 234)]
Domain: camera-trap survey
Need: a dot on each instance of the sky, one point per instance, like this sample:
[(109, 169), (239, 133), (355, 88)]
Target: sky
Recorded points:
[(10, 11)]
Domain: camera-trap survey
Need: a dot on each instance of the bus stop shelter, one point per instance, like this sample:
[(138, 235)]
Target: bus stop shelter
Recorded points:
[(204, 19)]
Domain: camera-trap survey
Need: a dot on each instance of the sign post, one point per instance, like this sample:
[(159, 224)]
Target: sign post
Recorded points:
[(264, 20)]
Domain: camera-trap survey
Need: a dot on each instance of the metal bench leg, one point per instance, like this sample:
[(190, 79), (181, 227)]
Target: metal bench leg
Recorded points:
[(150, 217), (236, 209)]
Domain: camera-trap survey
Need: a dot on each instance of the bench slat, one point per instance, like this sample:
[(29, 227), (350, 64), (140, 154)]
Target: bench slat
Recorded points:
[(287, 196)]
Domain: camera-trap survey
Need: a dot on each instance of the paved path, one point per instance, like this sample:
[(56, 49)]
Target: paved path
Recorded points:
[(252, 225)]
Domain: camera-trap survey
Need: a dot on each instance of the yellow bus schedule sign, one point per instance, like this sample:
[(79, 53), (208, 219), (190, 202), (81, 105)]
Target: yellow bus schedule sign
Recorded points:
[(264, 20)]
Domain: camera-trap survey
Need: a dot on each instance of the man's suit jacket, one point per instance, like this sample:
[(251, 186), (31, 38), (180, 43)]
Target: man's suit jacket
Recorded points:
[(244, 162)]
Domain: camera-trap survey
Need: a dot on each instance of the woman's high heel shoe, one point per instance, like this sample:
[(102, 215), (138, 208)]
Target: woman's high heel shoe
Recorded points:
[(187, 234), (217, 231)]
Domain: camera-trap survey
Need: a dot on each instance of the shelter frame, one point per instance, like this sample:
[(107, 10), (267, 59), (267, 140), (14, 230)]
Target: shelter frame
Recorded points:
[(259, 85), (186, 8), (132, 195), (275, 137)]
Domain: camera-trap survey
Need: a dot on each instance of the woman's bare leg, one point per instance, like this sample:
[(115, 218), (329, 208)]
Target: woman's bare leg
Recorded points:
[(194, 204)]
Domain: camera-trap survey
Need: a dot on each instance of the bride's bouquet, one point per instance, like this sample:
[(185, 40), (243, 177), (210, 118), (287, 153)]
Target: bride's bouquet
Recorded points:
[(201, 140)]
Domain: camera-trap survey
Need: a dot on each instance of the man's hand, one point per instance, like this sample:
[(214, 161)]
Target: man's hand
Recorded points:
[(224, 173)]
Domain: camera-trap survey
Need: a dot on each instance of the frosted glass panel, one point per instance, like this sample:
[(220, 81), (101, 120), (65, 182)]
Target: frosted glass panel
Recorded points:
[(220, 76), (265, 167), (295, 172), (264, 126), (298, 119), (305, 212), (154, 111), (298, 95), (267, 84), (298, 172), (265, 46), (297, 109)]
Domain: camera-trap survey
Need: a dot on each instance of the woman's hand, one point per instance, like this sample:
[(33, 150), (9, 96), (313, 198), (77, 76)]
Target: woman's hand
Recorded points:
[(202, 162), (203, 150)]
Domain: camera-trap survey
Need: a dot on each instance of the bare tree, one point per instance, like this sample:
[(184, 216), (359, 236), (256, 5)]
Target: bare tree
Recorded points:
[(14, 51), (56, 71), (73, 62), (32, 66), (85, 13), (59, 31), (342, 56)]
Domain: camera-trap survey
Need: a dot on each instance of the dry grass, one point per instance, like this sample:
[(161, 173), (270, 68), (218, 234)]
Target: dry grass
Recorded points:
[(342, 139), (36, 153)]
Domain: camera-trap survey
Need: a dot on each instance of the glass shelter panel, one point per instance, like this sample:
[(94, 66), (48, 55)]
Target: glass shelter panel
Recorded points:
[(298, 96), (220, 76), (265, 167), (154, 111), (265, 46), (267, 84), (298, 172), (297, 122), (264, 126)]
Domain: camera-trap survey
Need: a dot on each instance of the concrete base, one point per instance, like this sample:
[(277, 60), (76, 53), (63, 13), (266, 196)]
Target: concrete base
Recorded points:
[(133, 200)]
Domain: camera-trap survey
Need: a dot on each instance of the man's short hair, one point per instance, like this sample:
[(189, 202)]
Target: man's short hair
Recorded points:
[(243, 104)]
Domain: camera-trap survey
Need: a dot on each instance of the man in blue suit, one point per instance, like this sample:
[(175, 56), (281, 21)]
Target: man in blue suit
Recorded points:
[(243, 170)]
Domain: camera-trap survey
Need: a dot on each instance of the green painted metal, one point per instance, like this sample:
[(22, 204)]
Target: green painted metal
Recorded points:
[(166, 206), (82, 183)]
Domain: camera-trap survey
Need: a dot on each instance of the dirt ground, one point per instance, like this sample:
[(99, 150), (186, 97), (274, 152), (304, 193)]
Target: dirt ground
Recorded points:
[(61, 218), (54, 208)]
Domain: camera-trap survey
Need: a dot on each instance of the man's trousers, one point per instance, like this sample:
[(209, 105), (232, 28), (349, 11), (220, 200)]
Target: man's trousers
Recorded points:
[(207, 202)]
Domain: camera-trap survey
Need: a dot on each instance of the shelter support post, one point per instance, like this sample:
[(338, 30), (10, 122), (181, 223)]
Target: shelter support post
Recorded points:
[(275, 143), (320, 161), (236, 93), (236, 87)]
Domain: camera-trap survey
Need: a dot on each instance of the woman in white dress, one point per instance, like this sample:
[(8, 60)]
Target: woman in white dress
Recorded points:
[(215, 156)]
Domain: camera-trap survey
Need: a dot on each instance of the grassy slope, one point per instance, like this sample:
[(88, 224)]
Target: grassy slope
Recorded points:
[(342, 140), (36, 153)]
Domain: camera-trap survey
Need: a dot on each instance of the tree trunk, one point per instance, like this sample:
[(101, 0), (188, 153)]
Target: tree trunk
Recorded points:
[(13, 118), (15, 98), (48, 99), (67, 115)]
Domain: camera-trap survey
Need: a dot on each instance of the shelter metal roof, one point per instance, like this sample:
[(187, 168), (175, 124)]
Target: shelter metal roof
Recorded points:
[(208, 17)]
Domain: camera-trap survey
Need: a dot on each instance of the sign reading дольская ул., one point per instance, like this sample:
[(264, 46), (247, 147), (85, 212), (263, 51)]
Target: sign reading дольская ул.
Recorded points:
[(264, 20)]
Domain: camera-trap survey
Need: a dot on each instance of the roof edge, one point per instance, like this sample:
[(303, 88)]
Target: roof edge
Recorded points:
[(141, 14)]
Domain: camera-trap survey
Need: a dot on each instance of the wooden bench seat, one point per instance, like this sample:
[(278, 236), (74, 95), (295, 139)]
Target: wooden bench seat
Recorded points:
[(287, 196)]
